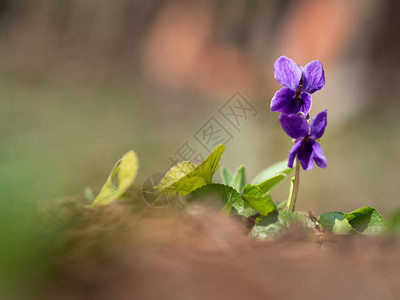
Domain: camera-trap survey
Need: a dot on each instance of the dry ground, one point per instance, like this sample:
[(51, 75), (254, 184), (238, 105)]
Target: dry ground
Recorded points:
[(195, 253)]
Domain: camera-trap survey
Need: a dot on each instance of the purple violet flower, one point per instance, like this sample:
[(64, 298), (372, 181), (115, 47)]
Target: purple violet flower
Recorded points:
[(306, 147), (298, 83)]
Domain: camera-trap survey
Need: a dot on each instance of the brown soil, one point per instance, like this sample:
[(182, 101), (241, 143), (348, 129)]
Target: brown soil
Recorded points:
[(195, 253)]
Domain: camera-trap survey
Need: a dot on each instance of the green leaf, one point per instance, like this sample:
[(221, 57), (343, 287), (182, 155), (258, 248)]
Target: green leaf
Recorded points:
[(226, 176), (127, 168), (335, 222), (242, 208), (342, 227), (367, 220), (278, 168), (173, 176), (262, 202), (394, 223), (276, 223), (186, 177), (258, 196), (268, 184), (239, 179), (224, 194)]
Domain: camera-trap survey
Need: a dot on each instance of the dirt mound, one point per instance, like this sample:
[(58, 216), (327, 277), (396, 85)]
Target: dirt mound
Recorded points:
[(196, 253)]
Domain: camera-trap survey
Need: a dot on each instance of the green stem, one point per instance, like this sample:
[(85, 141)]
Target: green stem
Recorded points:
[(292, 201)]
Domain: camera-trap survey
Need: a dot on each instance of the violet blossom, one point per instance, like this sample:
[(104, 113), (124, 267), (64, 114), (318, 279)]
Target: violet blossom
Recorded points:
[(298, 85), (306, 147)]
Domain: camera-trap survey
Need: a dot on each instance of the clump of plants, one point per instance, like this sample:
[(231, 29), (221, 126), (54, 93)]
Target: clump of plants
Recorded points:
[(192, 183)]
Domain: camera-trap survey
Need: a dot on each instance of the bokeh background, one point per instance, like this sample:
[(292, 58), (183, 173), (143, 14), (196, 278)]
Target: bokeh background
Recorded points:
[(83, 81)]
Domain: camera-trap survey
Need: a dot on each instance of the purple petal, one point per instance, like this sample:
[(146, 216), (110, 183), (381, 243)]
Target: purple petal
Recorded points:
[(293, 153), (318, 124), (287, 72), (281, 99), (313, 77), (306, 103), (296, 104), (305, 154), (319, 157), (294, 125)]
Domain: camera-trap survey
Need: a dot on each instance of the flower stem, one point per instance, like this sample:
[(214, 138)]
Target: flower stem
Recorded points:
[(292, 201)]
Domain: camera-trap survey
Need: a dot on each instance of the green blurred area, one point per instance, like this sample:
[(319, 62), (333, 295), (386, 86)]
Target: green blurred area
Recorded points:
[(59, 138)]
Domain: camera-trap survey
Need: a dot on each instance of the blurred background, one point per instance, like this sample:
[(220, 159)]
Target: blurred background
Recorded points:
[(83, 81)]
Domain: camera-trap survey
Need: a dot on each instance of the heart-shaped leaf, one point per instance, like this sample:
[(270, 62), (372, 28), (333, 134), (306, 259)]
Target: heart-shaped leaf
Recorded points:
[(367, 220), (335, 222), (186, 177), (224, 195)]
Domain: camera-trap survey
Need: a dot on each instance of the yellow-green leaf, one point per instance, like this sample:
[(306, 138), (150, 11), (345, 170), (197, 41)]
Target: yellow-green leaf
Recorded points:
[(175, 174), (186, 177), (127, 169)]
